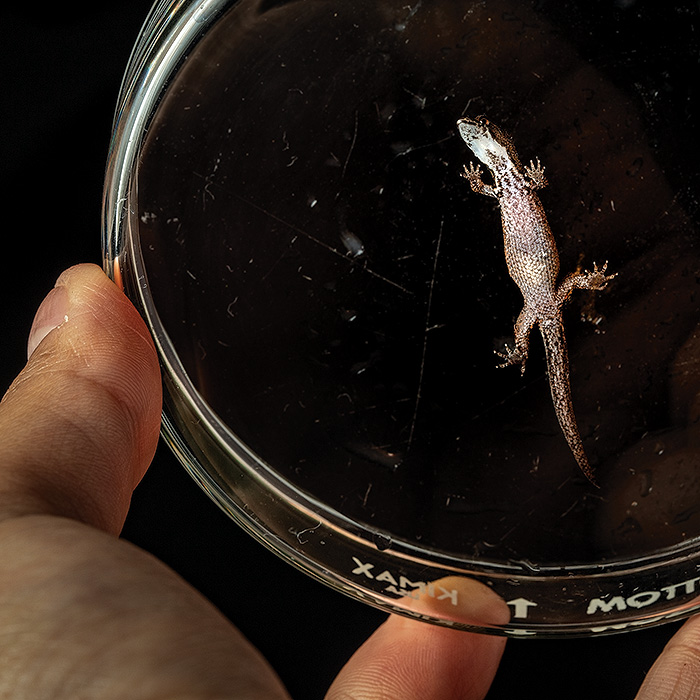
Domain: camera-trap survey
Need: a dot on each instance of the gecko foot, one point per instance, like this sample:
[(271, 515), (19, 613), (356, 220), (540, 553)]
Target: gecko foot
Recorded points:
[(473, 174), (535, 173), (512, 356), (596, 278)]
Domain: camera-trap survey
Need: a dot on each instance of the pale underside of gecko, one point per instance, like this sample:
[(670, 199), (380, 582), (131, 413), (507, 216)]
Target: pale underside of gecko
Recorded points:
[(533, 264)]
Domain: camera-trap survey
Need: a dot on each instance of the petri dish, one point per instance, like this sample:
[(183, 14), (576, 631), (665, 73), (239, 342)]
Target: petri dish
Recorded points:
[(283, 204)]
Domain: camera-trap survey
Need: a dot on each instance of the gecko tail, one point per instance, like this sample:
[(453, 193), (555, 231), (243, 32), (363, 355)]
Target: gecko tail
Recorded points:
[(552, 331)]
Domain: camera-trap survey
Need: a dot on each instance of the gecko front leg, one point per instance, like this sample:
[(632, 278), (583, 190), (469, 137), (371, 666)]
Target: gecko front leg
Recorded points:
[(473, 174), (535, 175)]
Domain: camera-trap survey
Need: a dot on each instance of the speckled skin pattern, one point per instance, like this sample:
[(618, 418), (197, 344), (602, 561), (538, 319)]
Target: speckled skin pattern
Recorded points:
[(533, 263)]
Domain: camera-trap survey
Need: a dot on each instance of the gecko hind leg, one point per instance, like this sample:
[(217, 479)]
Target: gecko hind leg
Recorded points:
[(518, 355), (594, 279)]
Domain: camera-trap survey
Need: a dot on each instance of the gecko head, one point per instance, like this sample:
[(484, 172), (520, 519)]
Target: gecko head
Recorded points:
[(491, 145)]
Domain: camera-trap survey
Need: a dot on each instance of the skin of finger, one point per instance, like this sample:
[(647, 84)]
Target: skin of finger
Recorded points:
[(413, 660), (82, 612), (676, 673), (85, 615), (80, 423)]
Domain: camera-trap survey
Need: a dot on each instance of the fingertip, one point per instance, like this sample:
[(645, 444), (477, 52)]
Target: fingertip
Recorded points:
[(83, 416), (51, 314), (77, 290), (676, 673), (413, 660)]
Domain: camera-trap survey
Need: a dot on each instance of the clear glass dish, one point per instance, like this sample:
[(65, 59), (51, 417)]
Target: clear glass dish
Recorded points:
[(283, 204)]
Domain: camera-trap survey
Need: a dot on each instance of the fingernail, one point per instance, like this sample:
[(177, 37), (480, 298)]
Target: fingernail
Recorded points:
[(52, 313)]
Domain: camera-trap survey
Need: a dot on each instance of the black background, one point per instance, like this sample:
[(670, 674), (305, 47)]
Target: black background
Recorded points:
[(61, 76)]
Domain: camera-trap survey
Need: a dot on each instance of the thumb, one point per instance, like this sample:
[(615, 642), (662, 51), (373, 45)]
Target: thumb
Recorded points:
[(80, 423), (415, 661), (82, 613)]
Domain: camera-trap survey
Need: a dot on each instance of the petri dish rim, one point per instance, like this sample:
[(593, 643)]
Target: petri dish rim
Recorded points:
[(168, 32)]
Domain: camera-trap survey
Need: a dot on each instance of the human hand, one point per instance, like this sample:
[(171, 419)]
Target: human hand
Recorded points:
[(676, 673), (86, 615)]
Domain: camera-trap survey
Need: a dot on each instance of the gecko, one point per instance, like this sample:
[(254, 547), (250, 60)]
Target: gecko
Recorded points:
[(533, 264)]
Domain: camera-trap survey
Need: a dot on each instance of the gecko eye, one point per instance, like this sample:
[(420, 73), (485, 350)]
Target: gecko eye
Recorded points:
[(483, 121)]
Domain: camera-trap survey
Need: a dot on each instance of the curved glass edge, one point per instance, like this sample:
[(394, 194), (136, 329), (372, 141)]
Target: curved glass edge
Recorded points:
[(363, 564), (385, 579), (366, 565), (169, 27)]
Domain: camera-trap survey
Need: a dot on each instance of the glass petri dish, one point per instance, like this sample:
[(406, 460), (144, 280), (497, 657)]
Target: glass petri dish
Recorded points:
[(284, 206)]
